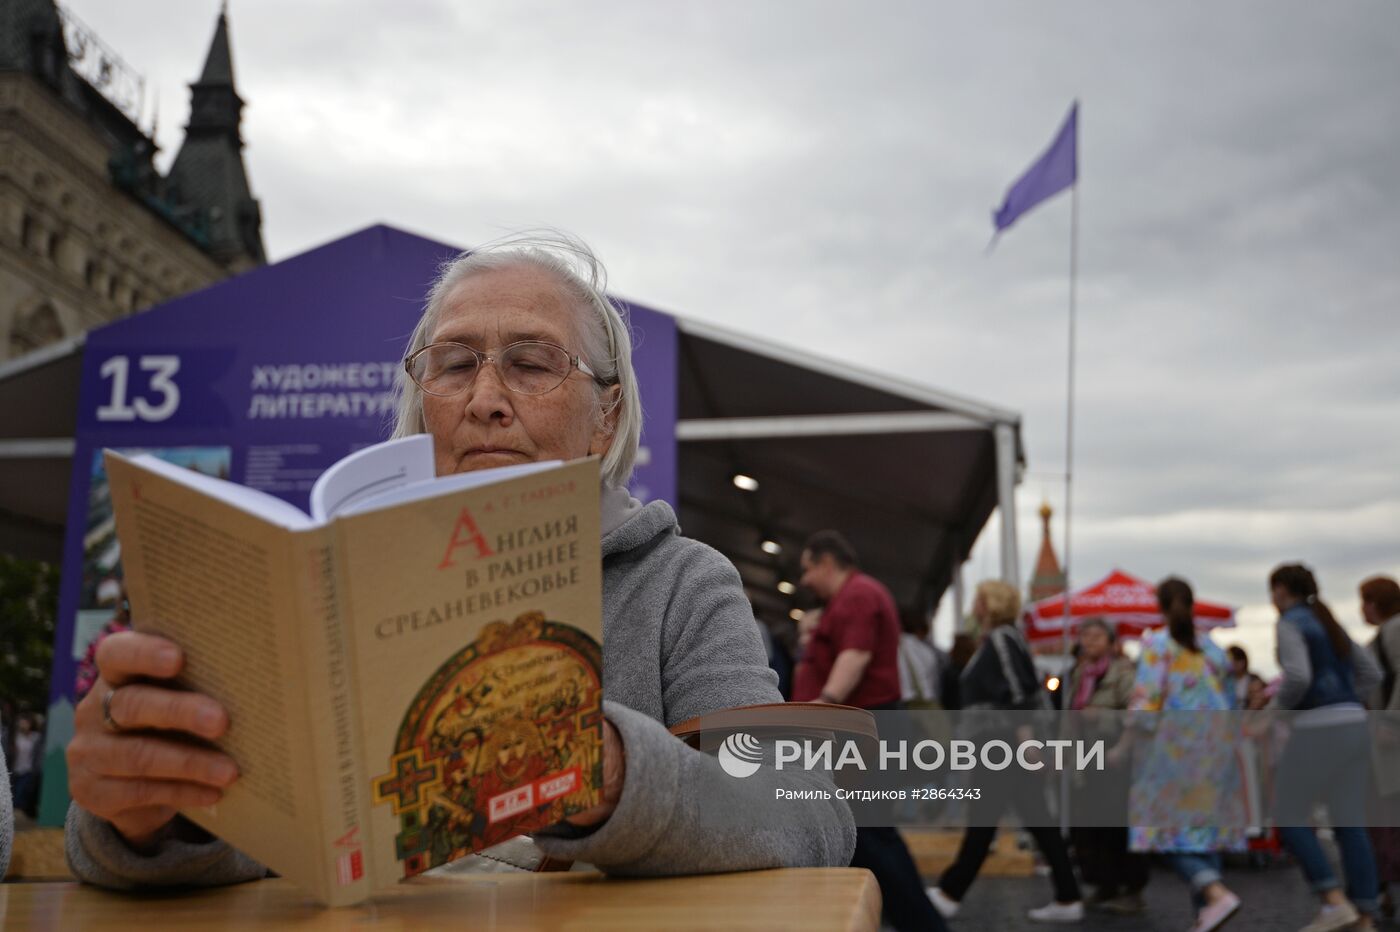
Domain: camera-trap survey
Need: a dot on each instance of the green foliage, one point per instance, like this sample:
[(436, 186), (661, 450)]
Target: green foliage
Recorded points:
[(28, 607)]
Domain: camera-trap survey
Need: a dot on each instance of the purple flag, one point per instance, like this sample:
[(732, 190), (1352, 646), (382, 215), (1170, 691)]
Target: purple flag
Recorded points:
[(1055, 170)]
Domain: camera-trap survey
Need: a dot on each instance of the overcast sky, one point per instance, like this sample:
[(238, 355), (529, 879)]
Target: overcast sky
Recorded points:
[(822, 174)]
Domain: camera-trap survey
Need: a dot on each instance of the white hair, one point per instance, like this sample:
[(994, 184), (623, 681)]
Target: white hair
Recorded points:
[(606, 339)]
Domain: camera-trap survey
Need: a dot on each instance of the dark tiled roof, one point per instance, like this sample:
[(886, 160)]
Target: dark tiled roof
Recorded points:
[(208, 172), (19, 20), (31, 40)]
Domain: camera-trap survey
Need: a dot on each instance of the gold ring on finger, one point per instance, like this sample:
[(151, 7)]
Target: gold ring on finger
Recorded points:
[(107, 719)]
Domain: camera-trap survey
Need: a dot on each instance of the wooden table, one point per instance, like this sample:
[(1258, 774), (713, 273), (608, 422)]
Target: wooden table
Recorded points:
[(810, 900)]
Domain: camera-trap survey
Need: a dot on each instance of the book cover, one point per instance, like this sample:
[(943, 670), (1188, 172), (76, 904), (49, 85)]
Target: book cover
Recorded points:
[(479, 659), (413, 682)]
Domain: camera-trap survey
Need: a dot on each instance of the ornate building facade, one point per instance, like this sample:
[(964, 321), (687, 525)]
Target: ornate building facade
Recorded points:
[(90, 230)]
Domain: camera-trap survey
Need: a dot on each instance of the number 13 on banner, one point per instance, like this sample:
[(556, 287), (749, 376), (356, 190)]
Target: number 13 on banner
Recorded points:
[(162, 369)]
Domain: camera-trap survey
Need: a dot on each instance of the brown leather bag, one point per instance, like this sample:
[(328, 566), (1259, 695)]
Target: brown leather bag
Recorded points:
[(791, 719)]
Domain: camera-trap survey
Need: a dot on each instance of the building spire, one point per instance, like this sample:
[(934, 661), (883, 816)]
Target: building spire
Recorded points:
[(208, 173), (218, 64), (1049, 578)]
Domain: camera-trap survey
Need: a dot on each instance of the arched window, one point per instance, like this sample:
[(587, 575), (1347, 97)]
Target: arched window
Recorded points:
[(34, 329), (29, 233)]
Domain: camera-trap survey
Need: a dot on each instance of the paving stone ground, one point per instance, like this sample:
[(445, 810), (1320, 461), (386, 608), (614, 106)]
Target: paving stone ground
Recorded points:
[(1275, 898)]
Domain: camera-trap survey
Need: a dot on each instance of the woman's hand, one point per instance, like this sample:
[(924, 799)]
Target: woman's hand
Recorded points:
[(614, 773), (127, 763)]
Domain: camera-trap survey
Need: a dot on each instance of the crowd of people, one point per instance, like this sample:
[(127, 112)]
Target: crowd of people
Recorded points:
[(1326, 680)]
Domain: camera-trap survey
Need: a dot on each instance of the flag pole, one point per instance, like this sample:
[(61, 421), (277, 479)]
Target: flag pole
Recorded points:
[(1069, 403), (1066, 699)]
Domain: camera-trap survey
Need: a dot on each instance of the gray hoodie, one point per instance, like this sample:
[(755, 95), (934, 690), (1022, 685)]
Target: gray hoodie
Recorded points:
[(679, 640)]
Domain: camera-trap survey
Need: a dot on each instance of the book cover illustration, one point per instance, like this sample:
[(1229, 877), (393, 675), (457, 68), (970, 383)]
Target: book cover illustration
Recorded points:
[(504, 738)]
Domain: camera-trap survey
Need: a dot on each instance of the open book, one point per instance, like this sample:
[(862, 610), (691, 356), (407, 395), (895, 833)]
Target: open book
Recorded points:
[(412, 673)]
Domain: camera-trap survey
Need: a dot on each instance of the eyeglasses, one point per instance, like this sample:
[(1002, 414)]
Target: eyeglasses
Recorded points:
[(530, 367)]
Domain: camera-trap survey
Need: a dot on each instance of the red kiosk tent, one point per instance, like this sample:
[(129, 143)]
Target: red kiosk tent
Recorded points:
[(1126, 601)]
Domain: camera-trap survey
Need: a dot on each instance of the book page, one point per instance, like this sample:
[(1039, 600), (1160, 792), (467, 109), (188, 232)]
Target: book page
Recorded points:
[(371, 471), (475, 623), (435, 487), (253, 501), (218, 582)]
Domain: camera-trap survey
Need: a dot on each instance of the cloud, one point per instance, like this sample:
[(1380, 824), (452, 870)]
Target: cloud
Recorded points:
[(825, 178)]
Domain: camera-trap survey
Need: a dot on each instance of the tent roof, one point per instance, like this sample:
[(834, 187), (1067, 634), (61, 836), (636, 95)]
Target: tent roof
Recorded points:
[(844, 449), (1119, 597), (906, 471)]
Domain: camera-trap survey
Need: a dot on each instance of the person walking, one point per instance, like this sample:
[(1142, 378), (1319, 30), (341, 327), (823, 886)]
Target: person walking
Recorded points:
[(851, 657), (1101, 681), (1380, 606), (1001, 675), (921, 665), (24, 771), (1327, 757), (1184, 801), (1239, 673), (964, 646)]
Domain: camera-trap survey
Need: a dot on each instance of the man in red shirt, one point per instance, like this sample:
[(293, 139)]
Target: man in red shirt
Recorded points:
[(852, 658)]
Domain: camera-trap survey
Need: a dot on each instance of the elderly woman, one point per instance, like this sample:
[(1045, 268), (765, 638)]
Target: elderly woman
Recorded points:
[(519, 356), (1102, 679)]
